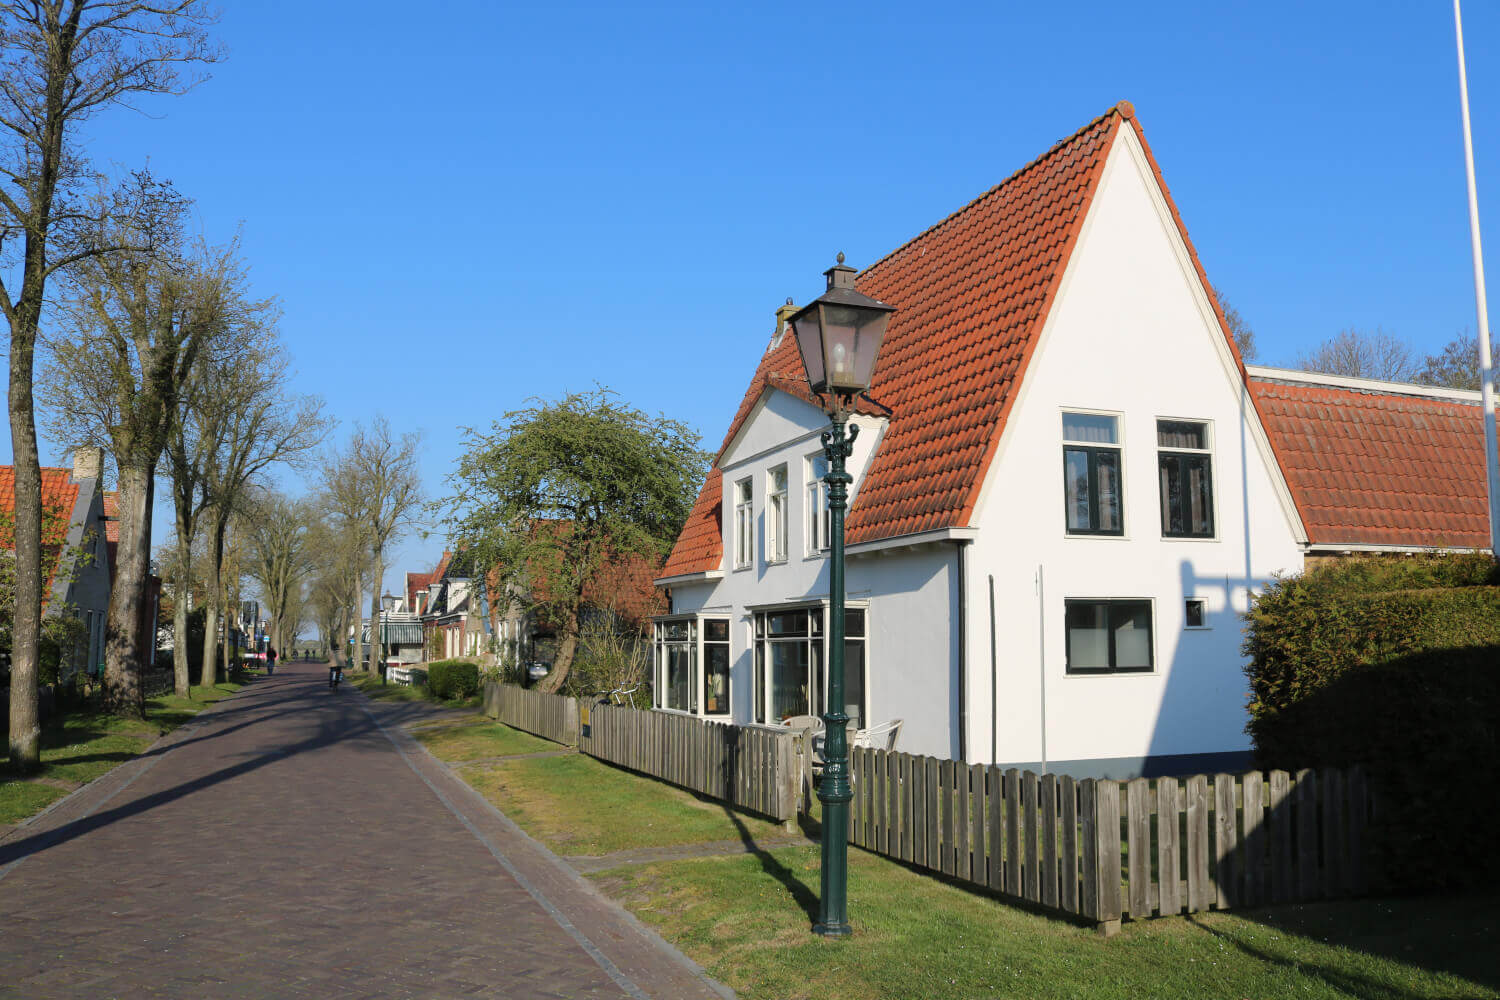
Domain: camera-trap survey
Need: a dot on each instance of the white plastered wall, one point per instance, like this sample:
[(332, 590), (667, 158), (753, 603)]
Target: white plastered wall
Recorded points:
[(1131, 333)]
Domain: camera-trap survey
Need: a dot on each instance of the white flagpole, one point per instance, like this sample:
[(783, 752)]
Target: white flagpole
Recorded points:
[(1486, 369)]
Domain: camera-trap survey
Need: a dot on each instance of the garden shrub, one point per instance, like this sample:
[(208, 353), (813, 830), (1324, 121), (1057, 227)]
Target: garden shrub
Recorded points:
[(453, 679), (1393, 664)]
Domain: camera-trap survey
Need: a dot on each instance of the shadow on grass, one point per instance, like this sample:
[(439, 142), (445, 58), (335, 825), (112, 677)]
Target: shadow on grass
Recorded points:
[(802, 894), (1450, 933)]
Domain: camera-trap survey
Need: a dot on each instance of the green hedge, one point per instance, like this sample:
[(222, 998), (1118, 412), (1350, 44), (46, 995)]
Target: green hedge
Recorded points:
[(1393, 664), (453, 679)]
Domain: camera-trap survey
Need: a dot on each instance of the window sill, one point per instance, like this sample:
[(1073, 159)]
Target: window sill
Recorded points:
[(1190, 538), (1086, 674), (1113, 536)]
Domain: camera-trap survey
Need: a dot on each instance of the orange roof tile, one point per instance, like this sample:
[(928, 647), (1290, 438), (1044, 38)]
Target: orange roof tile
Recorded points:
[(1374, 468), (59, 497), (971, 295)]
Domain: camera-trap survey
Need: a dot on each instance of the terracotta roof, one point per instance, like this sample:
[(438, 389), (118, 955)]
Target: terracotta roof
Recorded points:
[(442, 567), (414, 583), (59, 497), (971, 296), (1376, 468)]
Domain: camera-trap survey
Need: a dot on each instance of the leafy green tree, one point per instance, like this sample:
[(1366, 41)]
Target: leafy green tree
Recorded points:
[(1457, 367), (560, 490)]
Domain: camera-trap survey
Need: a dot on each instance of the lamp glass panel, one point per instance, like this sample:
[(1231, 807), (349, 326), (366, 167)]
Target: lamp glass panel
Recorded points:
[(809, 336), (840, 331)]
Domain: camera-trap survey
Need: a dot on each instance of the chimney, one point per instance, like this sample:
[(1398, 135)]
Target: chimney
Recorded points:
[(783, 313), (88, 463)]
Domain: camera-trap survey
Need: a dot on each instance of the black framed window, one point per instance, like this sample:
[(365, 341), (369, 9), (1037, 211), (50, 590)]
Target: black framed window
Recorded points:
[(716, 666), (1109, 636), (791, 648), (1185, 472), (1092, 489)]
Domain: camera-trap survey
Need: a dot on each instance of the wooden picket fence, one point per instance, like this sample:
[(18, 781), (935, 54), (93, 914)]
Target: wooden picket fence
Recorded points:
[(755, 769), (1101, 850), (550, 716)]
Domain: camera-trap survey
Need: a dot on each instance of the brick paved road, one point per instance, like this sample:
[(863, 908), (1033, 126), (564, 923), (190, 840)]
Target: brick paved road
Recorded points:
[(291, 842)]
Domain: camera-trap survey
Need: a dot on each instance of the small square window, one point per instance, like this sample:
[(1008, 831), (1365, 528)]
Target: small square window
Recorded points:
[(1195, 612)]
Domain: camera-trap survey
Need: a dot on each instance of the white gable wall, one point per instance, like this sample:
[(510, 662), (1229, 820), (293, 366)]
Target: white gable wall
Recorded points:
[(1131, 333)]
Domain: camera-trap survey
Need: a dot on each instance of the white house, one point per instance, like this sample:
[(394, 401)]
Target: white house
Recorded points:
[(1063, 495)]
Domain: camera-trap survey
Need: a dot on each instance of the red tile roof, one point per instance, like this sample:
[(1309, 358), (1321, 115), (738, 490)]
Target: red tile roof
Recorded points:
[(59, 497), (971, 296), (1374, 468), (414, 583)]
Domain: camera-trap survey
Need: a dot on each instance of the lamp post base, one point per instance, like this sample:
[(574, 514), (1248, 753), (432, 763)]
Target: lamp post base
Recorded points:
[(833, 930)]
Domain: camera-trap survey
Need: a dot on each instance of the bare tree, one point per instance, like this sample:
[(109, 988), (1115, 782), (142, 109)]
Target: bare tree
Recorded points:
[(338, 583), (373, 487), (281, 559), (1244, 337), (1457, 367), (137, 326), (1362, 354), (61, 62)]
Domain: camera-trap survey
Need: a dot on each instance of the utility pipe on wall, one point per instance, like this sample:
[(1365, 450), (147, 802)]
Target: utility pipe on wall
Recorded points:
[(1041, 657)]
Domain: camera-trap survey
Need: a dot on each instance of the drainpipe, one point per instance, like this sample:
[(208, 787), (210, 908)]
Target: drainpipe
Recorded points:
[(1041, 625), (994, 683), (963, 665)]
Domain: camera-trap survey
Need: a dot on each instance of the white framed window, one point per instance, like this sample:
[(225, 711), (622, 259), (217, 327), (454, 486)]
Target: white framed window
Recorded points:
[(692, 664), (817, 517), (1195, 613), (1093, 492), (1184, 462), (744, 524), (1109, 636), (791, 663), (776, 515)]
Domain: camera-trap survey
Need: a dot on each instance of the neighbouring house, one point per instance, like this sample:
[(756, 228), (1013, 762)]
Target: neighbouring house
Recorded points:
[(76, 553), (400, 632), (1066, 491), (453, 609)]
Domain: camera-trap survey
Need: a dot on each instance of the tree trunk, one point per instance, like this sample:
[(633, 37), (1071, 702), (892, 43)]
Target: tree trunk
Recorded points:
[(25, 709), (181, 681), (377, 643), (563, 662), (215, 593), (122, 658)]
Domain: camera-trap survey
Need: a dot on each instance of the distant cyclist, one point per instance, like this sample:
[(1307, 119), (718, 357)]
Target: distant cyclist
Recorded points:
[(270, 661), (335, 674)]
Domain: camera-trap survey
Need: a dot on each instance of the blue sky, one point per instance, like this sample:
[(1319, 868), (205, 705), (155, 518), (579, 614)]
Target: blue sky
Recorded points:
[(467, 204)]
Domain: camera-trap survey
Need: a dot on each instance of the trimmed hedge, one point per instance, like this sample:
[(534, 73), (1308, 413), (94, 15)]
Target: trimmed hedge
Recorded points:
[(1393, 664), (453, 679)]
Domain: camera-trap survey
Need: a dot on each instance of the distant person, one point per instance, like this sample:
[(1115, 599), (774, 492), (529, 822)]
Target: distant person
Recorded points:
[(270, 661)]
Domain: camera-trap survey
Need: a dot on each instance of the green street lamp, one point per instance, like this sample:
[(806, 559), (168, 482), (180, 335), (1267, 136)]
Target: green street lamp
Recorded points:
[(838, 335)]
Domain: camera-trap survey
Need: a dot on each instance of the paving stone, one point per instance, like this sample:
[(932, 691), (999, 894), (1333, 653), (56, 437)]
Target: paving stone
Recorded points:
[(294, 842)]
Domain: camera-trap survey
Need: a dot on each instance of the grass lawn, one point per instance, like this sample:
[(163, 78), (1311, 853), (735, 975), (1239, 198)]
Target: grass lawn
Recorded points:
[(376, 691), (746, 920), (479, 740), (576, 805), (80, 746)]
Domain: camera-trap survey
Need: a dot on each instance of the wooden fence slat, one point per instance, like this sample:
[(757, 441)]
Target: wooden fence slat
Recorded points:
[(1279, 828), (1199, 889), (892, 804), (1252, 839), (1138, 846), (961, 859), (1333, 831), (1031, 877), (1013, 831), (1354, 872), (918, 813), (1069, 844), (931, 787), (1168, 848), (1107, 850), (1306, 794), (994, 804), (882, 799), (1226, 827), (979, 820), (1047, 796), (946, 782)]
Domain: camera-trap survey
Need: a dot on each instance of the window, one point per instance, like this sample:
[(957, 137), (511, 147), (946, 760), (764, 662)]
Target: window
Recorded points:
[(744, 524), (716, 666), (1195, 612), (676, 663), (791, 664), (776, 517), (1091, 474), (1185, 467), (1108, 636), (817, 505)]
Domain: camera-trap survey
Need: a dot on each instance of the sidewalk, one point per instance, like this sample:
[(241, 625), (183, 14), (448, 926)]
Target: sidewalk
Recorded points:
[(291, 842)]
